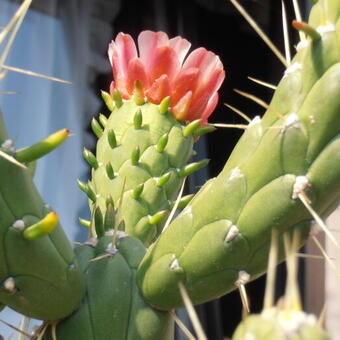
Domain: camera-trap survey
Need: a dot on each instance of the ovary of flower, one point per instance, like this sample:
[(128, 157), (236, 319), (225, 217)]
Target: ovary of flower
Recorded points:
[(163, 70)]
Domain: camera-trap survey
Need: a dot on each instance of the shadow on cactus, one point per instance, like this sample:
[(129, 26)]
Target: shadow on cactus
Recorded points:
[(282, 175)]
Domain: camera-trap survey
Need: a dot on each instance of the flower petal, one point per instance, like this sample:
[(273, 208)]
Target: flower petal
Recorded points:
[(211, 106), (163, 61), (181, 108), (205, 91), (148, 41), (121, 51), (136, 71), (159, 90), (181, 47), (185, 81)]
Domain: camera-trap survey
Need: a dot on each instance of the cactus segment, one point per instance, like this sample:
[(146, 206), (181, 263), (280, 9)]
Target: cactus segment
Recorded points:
[(90, 158), (96, 128), (307, 29), (138, 94), (191, 128), (121, 312), (37, 291), (87, 190), (41, 228), (112, 139), (292, 150), (102, 120), (138, 157), (117, 99), (190, 168), (138, 119), (204, 130), (84, 222), (162, 142), (108, 100), (35, 151), (164, 105), (99, 222)]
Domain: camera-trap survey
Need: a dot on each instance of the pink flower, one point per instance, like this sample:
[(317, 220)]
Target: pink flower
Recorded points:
[(162, 70)]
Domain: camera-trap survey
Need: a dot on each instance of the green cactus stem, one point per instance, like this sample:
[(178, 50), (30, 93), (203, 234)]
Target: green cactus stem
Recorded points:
[(140, 162), (113, 307), (39, 272), (293, 150)]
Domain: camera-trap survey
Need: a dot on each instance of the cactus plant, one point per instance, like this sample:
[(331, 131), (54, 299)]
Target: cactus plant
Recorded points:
[(279, 157), (112, 287), (33, 242)]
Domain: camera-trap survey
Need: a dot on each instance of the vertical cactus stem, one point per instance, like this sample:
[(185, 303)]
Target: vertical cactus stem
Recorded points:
[(135, 154), (9, 285), (158, 217), (232, 233), (117, 99), (164, 105), (190, 168), (204, 130), (161, 181), (102, 120), (138, 93), (109, 218), (96, 128), (87, 190), (307, 29), (85, 223), (162, 142), (136, 192), (111, 137), (90, 158), (109, 171), (43, 147), (108, 100), (42, 228), (138, 119), (99, 222), (242, 280), (19, 224), (191, 128)]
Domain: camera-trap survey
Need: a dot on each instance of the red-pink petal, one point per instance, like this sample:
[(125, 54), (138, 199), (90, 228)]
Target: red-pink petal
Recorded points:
[(185, 81), (206, 90), (148, 41), (181, 108), (121, 51), (163, 61), (181, 47), (136, 71), (112, 87), (209, 109), (159, 90)]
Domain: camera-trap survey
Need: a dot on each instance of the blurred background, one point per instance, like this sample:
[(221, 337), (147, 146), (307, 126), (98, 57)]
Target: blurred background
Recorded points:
[(69, 38)]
